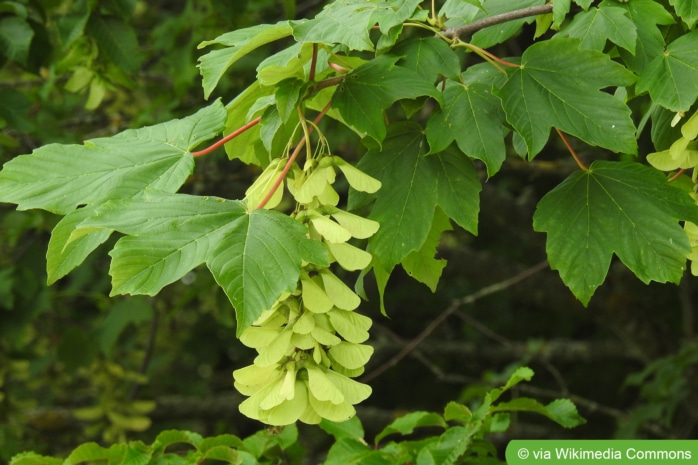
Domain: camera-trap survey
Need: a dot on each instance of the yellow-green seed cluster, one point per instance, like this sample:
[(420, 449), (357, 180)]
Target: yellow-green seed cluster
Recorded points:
[(310, 343)]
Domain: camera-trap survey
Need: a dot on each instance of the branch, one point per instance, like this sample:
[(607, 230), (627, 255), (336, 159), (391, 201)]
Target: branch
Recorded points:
[(475, 26), (455, 305)]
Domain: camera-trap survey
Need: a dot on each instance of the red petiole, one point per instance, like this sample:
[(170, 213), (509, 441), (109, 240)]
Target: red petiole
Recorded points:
[(230, 136), (574, 154)]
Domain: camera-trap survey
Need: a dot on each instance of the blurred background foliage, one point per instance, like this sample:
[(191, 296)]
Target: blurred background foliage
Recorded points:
[(76, 365)]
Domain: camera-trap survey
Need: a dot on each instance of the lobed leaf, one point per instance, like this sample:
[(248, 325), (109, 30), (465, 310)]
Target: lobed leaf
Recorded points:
[(236, 44), (620, 208), (557, 85), (372, 88), (671, 78), (254, 256), (59, 178)]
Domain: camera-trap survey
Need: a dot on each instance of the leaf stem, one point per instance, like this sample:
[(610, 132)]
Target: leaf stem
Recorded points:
[(489, 56), (230, 136), (313, 63), (677, 175), (475, 26), (574, 154), (293, 157)]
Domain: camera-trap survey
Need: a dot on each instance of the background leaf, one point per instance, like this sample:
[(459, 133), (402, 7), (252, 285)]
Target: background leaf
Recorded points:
[(118, 41), (605, 22)]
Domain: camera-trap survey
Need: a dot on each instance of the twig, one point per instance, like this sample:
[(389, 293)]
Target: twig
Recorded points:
[(475, 26), (455, 305)]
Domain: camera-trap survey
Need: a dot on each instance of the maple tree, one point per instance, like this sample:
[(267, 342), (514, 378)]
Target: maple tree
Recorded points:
[(373, 67)]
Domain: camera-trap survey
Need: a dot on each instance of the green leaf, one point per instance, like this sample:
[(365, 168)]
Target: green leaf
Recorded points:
[(14, 107), (431, 57), (351, 428), (407, 423), (117, 40), (615, 207), (248, 146), (59, 178), (168, 437), (64, 254), (605, 22), (372, 88), (560, 10), (421, 264), (687, 10), (646, 15), (254, 256), (412, 186), (350, 451), (91, 452), (493, 35), (561, 411), (32, 458), (15, 39), (236, 44), (473, 117), (672, 77), (557, 85), (349, 22)]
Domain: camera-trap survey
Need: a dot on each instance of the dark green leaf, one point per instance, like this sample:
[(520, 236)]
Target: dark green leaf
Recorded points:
[(373, 87), (493, 35), (473, 117), (615, 207), (672, 77), (117, 40), (646, 14), (348, 451), (557, 85), (412, 186), (13, 109), (595, 26), (430, 57), (254, 256), (422, 264)]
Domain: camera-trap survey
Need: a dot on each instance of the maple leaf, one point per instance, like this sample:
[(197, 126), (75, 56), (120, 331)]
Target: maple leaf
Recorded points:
[(236, 44), (59, 178), (373, 87), (621, 208), (605, 22), (254, 256), (557, 85), (413, 184), (348, 22), (473, 117), (672, 77)]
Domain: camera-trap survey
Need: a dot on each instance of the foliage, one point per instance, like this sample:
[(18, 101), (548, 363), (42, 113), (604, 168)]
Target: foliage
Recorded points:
[(436, 113), (462, 439)]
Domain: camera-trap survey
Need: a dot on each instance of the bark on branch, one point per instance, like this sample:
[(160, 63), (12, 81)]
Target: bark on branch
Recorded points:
[(475, 26)]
